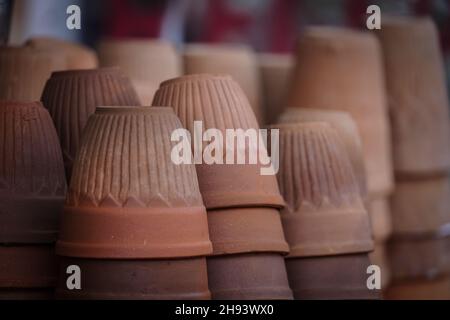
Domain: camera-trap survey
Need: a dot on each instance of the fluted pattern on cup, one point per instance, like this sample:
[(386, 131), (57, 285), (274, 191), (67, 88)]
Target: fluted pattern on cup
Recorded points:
[(124, 160), (72, 96), (314, 167), (30, 156), (217, 100)]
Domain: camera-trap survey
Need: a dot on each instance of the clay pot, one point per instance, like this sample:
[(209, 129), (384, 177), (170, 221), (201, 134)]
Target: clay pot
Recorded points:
[(32, 183), (255, 276), (219, 103), (238, 61), (419, 257), (275, 72), (348, 132), (127, 199), (24, 70), (240, 230), (380, 218), (177, 279), (420, 289), (77, 55), (332, 71), (330, 277), (417, 94), (72, 96), (26, 294), (421, 206), (27, 271), (324, 212), (148, 62), (379, 257)]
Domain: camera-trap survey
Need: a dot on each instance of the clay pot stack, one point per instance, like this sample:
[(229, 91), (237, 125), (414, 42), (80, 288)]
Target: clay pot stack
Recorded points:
[(331, 73), (147, 62), (72, 96), (239, 61), (421, 137), (32, 191), (133, 221), (325, 221), (243, 205)]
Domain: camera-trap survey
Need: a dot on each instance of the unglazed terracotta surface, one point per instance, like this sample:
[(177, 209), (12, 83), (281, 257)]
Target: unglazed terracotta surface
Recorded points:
[(379, 257), (341, 69), (127, 199), (72, 96), (420, 289), (417, 95), (32, 182), (380, 218), (324, 212)]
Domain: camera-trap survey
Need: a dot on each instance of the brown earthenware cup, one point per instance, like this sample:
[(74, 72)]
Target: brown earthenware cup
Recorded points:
[(253, 276), (330, 277), (72, 96), (32, 182), (219, 103), (127, 199), (420, 289), (176, 279)]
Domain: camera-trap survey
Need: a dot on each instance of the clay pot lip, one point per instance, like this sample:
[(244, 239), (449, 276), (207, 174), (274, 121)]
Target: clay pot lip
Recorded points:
[(85, 72), (322, 32), (197, 77), (20, 103), (440, 234), (133, 40), (300, 125), (342, 113), (133, 110), (391, 20), (205, 48)]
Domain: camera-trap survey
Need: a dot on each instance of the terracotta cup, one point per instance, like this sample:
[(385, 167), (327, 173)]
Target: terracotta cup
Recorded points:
[(420, 289), (147, 61), (127, 199), (324, 212), (415, 257), (27, 271), (32, 183), (275, 74), (72, 96), (348, 132), (239, 61), (24, 70), (379, 257), (380, 218), (219, 103), (331, 277), (176, 279), (77, 56), (332, 71), (252, 276), (417, 92), (421, 206)]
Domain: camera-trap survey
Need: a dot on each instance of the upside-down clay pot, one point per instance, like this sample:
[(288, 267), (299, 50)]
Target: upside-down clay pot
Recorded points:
[(420, 289), (380, 218), (238, 61), (32, 183), (275, 73), (127, 199), (147, 62), (24, 70), (77, 55), (324, 213), (219, 103), (348, 132), (241, 277), (175, 279), (331, 72), (379, 257), (414, 257), (421, 206), (417, 91), (72, 96)]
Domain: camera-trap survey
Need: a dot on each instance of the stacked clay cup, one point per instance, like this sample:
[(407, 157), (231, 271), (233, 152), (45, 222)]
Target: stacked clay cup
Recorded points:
[(72, 96), (421, 144), (243, 205), (134, 222), (325, 221), (32, 191)]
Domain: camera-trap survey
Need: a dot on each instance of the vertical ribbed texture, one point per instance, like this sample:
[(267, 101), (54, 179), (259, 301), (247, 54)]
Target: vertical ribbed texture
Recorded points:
[(314, 167), (125, 160), (216, 100), (72, 96), (30, 156), (23, 72)]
